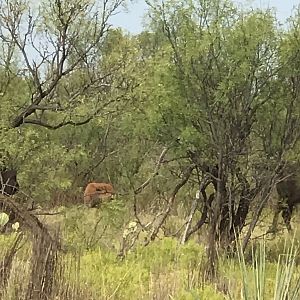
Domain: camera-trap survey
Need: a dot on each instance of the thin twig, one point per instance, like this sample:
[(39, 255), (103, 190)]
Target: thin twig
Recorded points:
[(155, 173)]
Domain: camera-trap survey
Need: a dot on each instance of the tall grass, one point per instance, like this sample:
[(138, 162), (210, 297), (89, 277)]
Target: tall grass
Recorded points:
[(286, 282), (165, 269), (285, 287)]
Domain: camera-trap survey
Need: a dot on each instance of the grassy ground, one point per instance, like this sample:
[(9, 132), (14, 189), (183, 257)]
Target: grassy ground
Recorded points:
[(90, 268)]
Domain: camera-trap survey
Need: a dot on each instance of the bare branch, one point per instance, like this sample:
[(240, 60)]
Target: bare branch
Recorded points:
[(155, 173), (171, 200), (187, 233), (59, 125), (67, 44)]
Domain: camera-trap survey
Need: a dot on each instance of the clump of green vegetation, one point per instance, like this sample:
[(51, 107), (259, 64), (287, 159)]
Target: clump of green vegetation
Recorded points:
[(165, 269), (85, 228)]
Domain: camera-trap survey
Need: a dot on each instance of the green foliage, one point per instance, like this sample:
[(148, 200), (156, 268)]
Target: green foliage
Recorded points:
[(207, 292), (163, 269), (254, 277), (156, 271), (109, 278), (204, 77), (286, 287), (86, 228)]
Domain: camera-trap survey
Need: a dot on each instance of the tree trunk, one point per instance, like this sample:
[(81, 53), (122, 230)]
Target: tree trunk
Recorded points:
[(211, 269), (44, 252)]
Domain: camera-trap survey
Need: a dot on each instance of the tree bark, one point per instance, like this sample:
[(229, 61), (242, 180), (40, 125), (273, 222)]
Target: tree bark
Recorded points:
[(44, 254)]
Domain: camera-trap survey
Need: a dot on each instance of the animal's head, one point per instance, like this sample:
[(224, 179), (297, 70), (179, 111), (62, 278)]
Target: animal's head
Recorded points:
[(110, 191)]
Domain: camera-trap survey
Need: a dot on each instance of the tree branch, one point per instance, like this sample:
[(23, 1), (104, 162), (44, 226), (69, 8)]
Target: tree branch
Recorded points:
[(171, 200), (155, 173)]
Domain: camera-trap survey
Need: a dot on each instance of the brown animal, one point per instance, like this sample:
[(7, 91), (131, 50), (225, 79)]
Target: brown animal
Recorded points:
[(288, 190), (8, 182), (96, 191)]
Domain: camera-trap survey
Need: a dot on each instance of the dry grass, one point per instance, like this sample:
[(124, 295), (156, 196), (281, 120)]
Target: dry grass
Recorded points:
[(90, 269)]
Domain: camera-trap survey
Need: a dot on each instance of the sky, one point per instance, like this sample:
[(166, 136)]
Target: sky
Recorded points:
[(132, 20)]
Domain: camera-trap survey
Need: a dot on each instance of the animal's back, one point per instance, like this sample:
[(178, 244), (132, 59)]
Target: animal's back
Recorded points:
[(104, 187), (96, 190)]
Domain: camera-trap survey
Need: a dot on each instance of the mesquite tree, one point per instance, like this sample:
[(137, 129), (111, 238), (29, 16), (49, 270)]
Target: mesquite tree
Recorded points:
[(232, 98)]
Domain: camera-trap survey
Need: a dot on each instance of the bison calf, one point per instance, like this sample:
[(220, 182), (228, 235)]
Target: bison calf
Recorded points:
[(96, 191)]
